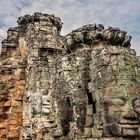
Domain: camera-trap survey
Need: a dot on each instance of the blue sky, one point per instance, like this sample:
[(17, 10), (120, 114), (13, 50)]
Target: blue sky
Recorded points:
[(124, 14)]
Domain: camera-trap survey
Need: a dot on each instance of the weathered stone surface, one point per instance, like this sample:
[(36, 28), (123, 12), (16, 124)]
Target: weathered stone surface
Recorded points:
[(82, 86), (95, 33)]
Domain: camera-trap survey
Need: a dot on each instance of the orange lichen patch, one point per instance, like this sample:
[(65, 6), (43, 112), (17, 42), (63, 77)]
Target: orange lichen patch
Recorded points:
[(13, 133), (3, 131), (1, 103), (16, 103), (2, 124), (7, 103), (14, 121)]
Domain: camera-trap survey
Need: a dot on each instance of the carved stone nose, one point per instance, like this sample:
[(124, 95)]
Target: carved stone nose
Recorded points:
[(128, 112)]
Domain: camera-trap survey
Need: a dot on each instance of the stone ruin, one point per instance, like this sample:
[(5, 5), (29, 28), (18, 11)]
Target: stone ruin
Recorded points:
[(81, 86)]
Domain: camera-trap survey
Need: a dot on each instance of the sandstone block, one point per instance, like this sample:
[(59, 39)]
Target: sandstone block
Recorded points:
[(89, 121), (89, 110)]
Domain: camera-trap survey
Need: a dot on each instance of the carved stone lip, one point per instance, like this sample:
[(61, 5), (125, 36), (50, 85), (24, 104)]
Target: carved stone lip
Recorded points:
[(129, 124)]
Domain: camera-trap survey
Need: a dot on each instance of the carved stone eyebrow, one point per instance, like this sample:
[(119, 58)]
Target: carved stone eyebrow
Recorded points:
[(120, 97), (118, 101), (136, 100)]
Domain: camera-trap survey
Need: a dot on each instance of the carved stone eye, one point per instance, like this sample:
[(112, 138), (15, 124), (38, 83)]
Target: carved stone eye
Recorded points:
[(117, 101), (137, 103)]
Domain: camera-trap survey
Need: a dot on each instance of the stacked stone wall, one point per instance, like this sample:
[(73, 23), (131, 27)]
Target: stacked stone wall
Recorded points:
[(55, 87)]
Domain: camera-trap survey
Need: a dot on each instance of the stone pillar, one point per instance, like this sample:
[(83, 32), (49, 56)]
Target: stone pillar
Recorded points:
[(12, 86), (44, 43)]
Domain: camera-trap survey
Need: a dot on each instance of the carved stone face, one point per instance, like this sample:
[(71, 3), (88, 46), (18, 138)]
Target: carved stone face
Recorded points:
[(121, 115), (46, 102)]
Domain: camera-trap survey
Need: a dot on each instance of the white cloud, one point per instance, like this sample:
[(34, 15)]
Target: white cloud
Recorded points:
[(75, 13), (2, 34), (10, 21)]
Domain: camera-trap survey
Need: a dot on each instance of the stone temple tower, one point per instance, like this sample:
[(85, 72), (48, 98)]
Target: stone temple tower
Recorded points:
[(81, 86), (43, 32)]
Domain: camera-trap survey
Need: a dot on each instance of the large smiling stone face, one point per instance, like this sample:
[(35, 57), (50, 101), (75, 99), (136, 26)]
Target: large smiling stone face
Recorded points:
[(121, 111)]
